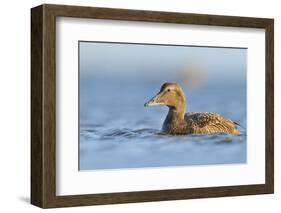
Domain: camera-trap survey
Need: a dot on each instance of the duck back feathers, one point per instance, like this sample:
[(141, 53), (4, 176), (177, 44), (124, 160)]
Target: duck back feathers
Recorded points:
[(209, 122)]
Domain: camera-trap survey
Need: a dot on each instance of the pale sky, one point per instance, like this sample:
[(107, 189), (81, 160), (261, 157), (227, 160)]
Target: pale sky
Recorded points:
[(153, 61)]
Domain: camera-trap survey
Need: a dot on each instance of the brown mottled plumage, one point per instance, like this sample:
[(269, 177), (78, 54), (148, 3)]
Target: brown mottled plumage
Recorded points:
[(179, 122)]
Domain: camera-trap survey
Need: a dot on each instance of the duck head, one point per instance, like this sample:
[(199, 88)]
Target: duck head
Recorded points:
[(170, 95)]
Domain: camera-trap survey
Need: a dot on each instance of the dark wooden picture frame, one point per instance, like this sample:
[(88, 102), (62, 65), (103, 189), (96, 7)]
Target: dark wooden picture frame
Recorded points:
[(43, 105)]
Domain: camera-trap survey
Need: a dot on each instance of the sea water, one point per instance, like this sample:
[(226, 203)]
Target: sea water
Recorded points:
[(117, 131)]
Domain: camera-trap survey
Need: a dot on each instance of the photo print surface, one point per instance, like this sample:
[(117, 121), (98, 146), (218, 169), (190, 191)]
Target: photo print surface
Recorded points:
[(159, 105)]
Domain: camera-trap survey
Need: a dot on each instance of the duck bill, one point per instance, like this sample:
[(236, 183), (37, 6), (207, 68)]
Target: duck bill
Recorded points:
[(153, 101)]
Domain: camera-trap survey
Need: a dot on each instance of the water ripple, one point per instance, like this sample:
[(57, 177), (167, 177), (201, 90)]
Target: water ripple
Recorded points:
[(116, 134)]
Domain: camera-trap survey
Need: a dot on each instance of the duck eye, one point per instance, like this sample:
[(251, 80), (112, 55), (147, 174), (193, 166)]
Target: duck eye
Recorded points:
[(168, 90)]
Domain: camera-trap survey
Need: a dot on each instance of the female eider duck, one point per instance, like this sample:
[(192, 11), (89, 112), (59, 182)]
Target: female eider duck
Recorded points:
[(178, 122)]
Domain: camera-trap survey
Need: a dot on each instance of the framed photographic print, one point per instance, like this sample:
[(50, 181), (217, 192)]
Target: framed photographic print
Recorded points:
[(135, 106)]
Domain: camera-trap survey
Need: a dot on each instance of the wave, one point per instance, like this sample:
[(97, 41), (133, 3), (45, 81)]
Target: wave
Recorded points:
[(148, 134)]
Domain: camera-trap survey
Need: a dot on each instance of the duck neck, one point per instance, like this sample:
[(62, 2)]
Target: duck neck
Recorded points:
[(176, 114)]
